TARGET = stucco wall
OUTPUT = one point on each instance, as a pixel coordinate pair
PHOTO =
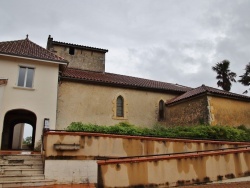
(225, 111)
(93, 145)
(82, 59)
(96, 104)
(71, 171)
(191, 112)
(1, 95)
(41, 99)
(173, 170)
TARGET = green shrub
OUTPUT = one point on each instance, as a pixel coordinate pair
(218, 132)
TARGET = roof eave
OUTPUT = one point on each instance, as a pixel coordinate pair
(122, 85)
(208, 94)
(36, 59)
(186, 99)
(79, 46)
(229, 97)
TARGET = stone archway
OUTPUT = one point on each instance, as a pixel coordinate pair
(11, 119)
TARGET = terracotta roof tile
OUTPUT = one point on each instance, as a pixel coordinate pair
(27, 48)
(121, 80)
(79, 46)
(205, 89)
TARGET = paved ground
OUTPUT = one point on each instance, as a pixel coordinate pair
(245, 184)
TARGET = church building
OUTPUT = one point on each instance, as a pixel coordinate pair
(65, 83)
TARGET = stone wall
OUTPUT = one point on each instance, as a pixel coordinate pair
(82, 59)
(191, 112)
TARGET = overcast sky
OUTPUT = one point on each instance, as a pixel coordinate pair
(175, 41)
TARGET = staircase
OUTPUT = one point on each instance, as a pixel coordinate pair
(20, 170)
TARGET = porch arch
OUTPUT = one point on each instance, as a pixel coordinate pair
(11, 119)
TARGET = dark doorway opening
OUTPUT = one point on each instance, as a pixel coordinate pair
(13, 129)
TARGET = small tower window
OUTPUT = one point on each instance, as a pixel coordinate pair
(161, 111)
(71, 50)
(120, 107)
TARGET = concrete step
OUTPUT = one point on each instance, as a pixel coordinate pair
(20, 166)
(21, 171)
(27, 183)
(21, 157)
(33, 161)
(21, 177)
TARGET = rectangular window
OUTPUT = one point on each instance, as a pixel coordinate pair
(25, 78)
(71, 50)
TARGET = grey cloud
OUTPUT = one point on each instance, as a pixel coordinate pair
(173, 41)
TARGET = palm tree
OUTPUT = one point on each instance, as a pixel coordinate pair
(224, 75)
(245, 78)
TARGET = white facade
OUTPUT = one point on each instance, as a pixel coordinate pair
(41, 98)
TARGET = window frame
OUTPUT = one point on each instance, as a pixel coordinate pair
(23, 80)
(120, 107)
(161, 110)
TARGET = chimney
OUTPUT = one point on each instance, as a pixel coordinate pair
(49, 43)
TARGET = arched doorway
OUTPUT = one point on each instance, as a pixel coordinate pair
(13, 127)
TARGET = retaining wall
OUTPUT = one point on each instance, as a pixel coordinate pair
(176, 170)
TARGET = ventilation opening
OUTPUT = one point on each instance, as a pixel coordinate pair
(71, 50)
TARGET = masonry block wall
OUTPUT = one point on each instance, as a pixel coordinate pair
(192, 112)
(80, 57)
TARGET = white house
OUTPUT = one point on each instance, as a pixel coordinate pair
(28, 90)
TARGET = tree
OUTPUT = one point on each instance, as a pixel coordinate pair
(224, 75)
(245, 78)
(27, 140)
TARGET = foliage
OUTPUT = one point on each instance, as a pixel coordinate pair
(27, 140)
(245, 78)
(224, 75)
(240, 133)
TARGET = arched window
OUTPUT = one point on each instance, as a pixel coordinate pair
(161, 110)
(119, 106)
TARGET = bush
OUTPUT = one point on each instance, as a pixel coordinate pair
(240, 133)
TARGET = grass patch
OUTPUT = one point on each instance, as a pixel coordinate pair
(229, 133)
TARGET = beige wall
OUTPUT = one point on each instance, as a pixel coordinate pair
(79, 102)
(1, 95)
(95, 145)
(173, 171)
(41, 100)
(79, 165)
(82, 59)
(225, 111)
(18, 136)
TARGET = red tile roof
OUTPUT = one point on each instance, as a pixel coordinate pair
(51, 42)
(122, 81)
(208, 90)
(27, 48)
